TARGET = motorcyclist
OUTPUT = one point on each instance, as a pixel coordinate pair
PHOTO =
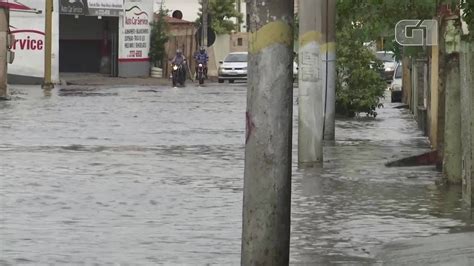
(201, 57)
(180, 60)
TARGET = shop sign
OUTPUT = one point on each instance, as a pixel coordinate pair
(106, 8)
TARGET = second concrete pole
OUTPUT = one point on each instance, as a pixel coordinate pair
(311, 93)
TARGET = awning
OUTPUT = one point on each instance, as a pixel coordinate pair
(13, 5)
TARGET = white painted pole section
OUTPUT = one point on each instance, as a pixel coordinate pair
(311, 96)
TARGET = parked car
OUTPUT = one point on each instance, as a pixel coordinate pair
(396, 87)
(233, 67)
(389, 63)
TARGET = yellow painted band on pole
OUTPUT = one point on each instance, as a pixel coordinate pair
(329, 47)
(277, 32)
(310, 36)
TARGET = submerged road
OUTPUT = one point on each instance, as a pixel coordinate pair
(146, 175)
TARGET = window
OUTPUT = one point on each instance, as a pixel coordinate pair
(399, 72)
(236, 58)
(385, 57)
(240, 41)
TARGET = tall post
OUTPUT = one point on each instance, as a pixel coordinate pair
(3, 52)
(452, 159)
(267, 177)
(452, 164)
(311, 93)
(328, 53)
(205, 14)
(434, 96)
(467, 121)
(238, 6)
(47, 83)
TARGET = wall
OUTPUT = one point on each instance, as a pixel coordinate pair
(237, 45)
(181, 36)
(217, 52)
(28, 28)
(134, 38)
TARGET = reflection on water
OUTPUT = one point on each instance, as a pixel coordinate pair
(154, 175)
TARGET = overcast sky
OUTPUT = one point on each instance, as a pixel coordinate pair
(189, 8)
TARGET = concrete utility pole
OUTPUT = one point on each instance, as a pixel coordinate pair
(47, 83)
(328, 53)
(467, 120)
(3, 52)
(205, 12)
(452, 159)
(238, 6)
(267, 181)
(311, 94)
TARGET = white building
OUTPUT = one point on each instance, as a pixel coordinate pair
(106, 36)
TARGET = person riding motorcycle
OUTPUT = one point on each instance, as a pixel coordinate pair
(180, 60)
(201, 58)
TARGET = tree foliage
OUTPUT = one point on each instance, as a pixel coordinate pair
(468, 6)
(222, 12)
(158, 38)
(359, 85)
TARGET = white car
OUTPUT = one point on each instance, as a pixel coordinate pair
(233, 67)
(396, 87)
(389, 63)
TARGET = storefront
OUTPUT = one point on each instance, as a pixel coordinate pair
(89, 36)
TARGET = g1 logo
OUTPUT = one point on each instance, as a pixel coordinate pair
(414, 32)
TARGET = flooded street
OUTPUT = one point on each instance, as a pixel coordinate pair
(143, 176)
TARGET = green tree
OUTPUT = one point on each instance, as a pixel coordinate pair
(359, 85)
(221, 11)
(158, 38)
(468, 6)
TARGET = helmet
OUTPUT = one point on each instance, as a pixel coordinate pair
(179, 52)
(202, 49)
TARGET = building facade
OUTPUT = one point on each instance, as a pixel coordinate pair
(111, 37)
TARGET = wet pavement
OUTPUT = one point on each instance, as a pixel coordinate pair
(445, 249)
(147, 175)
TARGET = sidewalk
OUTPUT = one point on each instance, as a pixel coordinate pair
(450, 249)
(91, 79)
(88, 79)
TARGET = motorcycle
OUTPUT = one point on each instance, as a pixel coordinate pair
(200, 75)
(178, 74)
